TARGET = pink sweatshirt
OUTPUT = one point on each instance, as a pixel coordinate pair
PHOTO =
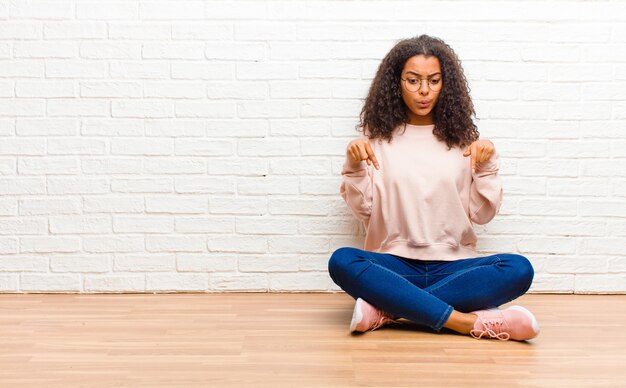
(422, 201)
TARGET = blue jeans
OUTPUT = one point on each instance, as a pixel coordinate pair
(426, 292)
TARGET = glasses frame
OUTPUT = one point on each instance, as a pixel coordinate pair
(406, 84)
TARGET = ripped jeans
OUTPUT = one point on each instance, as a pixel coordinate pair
(426, 292)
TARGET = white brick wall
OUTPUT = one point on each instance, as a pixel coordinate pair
(160, 146)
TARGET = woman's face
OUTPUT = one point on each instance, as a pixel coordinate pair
(421, 85)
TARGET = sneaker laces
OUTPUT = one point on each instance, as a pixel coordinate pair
(493, 328)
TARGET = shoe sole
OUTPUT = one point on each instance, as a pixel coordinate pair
(534, 322)
(357, 315)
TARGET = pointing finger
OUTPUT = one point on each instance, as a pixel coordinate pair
(370, 153)
(473, 152)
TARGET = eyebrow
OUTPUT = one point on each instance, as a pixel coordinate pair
(430, 75)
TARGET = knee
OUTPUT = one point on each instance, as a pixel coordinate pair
(340, 259)
(523, 270)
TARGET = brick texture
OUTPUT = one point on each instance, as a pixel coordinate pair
(195, 146)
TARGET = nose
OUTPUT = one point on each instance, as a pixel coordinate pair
(424, 89)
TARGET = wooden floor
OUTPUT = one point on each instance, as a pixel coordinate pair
(294, 340)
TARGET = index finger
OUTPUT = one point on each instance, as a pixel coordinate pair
(472, 150)
(370, 153)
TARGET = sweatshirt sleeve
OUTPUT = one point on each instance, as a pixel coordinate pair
(356, 189)
(486, 191)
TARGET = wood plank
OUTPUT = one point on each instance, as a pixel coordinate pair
(299, 340)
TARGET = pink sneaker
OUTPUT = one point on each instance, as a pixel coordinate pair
(367, 317)
(514, 323)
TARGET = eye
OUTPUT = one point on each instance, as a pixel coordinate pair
(412, 81)
(435, 81)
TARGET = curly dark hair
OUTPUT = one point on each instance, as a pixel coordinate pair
(384, 110)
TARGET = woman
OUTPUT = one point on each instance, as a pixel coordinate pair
(418, 178)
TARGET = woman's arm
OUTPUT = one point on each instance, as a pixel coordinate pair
(486, 187)
(485, 191)
(356, 188)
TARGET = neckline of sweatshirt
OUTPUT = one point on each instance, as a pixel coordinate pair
(416, 130)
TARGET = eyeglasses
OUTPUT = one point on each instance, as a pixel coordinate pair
(415, 84)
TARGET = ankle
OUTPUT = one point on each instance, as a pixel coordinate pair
(468, 321)
(461, 322)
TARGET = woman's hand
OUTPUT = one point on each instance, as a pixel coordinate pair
(359, 150)
(479, 152)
